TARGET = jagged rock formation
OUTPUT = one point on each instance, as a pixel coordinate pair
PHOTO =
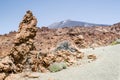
(24, 39)
(23, 45)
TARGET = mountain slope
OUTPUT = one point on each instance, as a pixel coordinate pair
(70, 23)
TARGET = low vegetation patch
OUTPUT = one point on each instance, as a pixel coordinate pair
(57, 66)
(116, 42)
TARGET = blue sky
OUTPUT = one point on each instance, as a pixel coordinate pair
(49, 11)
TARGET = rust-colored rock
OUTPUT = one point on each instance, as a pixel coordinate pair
(92, 57)
(7, 65)
(24, 39)
(23, 45)
(2, 76)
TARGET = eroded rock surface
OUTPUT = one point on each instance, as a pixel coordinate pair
(23, 45)
(2, 76)
(24, 39)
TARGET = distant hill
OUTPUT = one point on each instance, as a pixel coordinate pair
(71, 23)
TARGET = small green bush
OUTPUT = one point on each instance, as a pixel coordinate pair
(57, 66)
(116, 42)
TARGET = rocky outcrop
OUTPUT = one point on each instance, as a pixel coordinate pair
(24, 39)
(23, 45)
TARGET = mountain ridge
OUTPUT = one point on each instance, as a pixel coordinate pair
(72, 23)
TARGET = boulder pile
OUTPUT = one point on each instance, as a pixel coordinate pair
(43, 61)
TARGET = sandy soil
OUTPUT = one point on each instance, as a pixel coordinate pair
(106, 67)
